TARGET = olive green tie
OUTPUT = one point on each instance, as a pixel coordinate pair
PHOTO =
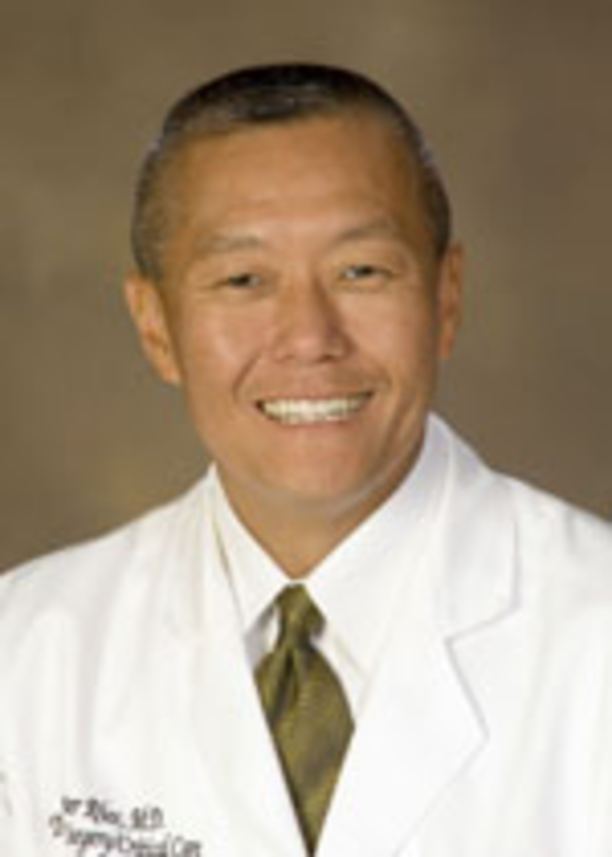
(306, 709)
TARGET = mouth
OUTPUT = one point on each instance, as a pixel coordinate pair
(310, 411)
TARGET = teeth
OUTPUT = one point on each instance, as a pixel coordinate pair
(295, 411)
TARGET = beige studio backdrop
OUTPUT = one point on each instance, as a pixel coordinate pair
(516, 99)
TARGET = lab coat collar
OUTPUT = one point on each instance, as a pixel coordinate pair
(421, 724)
(238, 758)
(475, 555)
(237, 751)
(472, 556)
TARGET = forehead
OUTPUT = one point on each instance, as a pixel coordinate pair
(335, 171)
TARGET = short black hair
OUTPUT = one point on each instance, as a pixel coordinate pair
(273, 94)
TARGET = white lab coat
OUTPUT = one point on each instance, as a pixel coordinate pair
(129, 720)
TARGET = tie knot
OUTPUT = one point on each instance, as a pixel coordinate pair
(300, 617)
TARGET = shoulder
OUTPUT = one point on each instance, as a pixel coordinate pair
(549, 538)
(506, 550)
(81, 578)
(565, 556)
(560, 527)
(533, 509)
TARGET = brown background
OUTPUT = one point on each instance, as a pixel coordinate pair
(516, 99)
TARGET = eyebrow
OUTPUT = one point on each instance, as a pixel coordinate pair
(380, 227)
(221, 243)
(228, 243)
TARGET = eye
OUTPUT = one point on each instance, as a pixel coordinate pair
(366, 273)
(356, 272)
(242, 280)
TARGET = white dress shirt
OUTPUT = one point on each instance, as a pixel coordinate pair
(355, 586)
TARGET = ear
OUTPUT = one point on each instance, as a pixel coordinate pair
(150, 317)
(449, 294)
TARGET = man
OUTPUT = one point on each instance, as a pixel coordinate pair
(352, 638)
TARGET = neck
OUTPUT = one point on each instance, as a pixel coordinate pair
(298, 535)
(296, 544)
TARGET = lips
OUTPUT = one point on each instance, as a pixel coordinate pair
(311, 411)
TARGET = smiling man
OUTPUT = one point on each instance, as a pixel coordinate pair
(352, 637)
(303, 307)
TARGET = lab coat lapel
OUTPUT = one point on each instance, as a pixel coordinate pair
(417, 730)
(238, 756)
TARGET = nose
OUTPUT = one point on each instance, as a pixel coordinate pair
(309, 326)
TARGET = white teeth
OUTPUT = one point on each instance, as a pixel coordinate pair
(294, 411)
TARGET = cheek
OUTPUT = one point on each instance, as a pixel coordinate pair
(401, 337)
(214, 353)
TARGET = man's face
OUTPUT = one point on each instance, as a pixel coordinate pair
(301, 310)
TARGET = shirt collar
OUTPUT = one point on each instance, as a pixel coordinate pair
(254, 577)
(357, 584)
